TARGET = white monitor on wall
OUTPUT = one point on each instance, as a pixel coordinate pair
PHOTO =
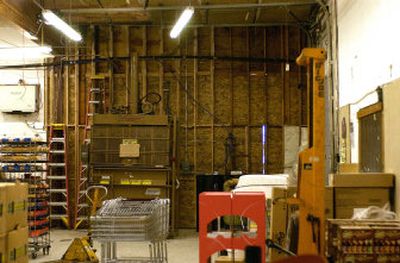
(19, 98)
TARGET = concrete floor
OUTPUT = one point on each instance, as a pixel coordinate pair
(183, 248)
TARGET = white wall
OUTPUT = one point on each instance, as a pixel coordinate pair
(19, 125)
(23, 125)
(391, 122)
(368, 46)
(369, 54)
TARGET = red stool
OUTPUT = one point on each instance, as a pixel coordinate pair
(218, 204)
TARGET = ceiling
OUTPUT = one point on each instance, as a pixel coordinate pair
(165, 12)
(11, 35)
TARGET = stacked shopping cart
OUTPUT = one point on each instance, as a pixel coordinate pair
(120, 220)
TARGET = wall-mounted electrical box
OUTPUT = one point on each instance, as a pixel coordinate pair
(19, 98)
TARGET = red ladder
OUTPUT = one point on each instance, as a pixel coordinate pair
(95, 104)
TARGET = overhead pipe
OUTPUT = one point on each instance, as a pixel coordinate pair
(174, 8)
(98, 59)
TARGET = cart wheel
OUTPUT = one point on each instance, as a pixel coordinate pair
(34, 255)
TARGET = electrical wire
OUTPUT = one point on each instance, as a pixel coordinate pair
(38, 4)
(363, 97)
(195, 102)
(31, 124)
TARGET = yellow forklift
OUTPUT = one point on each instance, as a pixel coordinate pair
(309, 241)
(81, 249)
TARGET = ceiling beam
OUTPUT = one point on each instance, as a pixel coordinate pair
(22, 13)
(172, 8)
(25, 14)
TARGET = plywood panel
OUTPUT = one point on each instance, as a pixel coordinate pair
(136, 40)
(242, 95)
(187, 203)
(344, 134)
(256, 47)
(274, 94)
(240, 148)
(170, 84)
(187, 96)
(120, 91)
(203, 151)
(120, 41)
(204, 47)
(258, 100)
(275, 150)
(256, 150)
(204, 98)
(223, 98)
(222, 44)
(240, 99)
(220, 134)
(293, 98)
(391, 138)
(103, 48)
(370, 142)
(273, 47)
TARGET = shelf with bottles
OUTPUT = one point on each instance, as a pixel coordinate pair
(26, 159)
(19, 158)
(22, 168)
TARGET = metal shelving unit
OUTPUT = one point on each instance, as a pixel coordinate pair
(26, 160)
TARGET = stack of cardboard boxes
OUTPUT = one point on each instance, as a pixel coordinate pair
(353, 191)
(13, 222)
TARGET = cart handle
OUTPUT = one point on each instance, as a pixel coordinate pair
(94, 187)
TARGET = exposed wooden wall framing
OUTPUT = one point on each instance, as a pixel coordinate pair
(209, 98)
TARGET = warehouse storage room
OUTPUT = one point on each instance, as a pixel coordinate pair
(204, 131)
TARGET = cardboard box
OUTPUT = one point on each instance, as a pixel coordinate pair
(361, 180)
(14, 206)
(347, 199)
(329, 209)
(279, 216)
(279, 212)
(3, 247)
(17, 198)
(3, 208)
(348, 168)
(17, 245)
(131, 150)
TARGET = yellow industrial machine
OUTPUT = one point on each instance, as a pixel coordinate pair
(81, 249)
(311, 171)
(309, 239)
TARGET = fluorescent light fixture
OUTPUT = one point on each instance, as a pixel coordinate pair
(182, 21)
(29, 36)
(25, 52)
(58, 23)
